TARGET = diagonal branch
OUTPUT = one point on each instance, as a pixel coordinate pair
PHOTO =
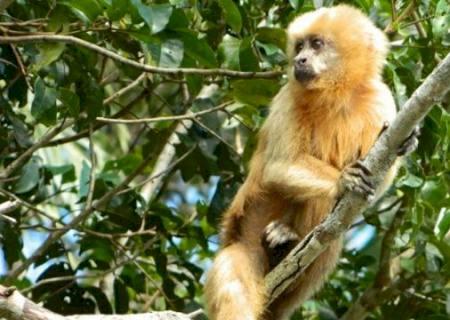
(137, 65)
(378, 161)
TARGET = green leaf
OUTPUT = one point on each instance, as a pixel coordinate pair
(222, 198)
(126, 164)
(255, 92)
(121, 299)
(247, 58)
(276, 36)
(434, 192)
(171, 53)
(441, 22)
(43, 108)
(12, 243)
(410, 180)
(67, 171)
(407, 264)
(178, 20)
(232, 14)
(91, 97)
(198, 49)
(59, 18)
(70, 101)
(118, 9)
(84, 180)
(155, 15)
(48, 53)
(229, 52)
(443, 224)
(102, 300)
(86, 10)
(29, 177)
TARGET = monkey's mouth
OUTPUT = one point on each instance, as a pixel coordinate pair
(304, 74)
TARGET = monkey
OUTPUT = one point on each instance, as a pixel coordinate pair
(321, 124)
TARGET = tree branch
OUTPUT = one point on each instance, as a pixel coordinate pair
(137, 65)
(14, 306)
(187, 116)
(378, 161)
(7, 207)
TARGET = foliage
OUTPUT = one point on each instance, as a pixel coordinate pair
(133, 251)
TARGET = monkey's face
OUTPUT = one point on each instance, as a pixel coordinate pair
(334, 48)
(314, 57)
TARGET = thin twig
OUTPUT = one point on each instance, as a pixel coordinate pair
(217, 136)
(137, 65)
(161, 173)
(91, 187)
(190, 116)
(24, 156)
(397, 19)
(97, 126)
(100, 275)
(24, 203)
(7, 207)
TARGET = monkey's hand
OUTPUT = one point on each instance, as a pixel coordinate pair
(356, 178)
(410, 143)
(278, 239)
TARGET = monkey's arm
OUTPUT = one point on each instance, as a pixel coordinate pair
(308, 177)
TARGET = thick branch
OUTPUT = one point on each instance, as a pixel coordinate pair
(378, 161)
(14, 306)
(137, 65)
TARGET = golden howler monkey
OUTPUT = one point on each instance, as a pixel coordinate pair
(321, 123)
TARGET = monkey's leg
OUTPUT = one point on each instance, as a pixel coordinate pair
(307, 285)
(234, 288)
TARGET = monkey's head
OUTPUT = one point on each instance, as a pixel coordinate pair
(335, 47)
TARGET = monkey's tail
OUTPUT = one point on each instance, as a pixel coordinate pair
(234, 287)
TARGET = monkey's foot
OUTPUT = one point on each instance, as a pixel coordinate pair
(278, 239)
(357, 178)
(410, 143)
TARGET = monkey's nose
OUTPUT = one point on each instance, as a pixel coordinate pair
(301, 61)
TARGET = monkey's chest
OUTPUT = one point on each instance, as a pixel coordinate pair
(337, 144)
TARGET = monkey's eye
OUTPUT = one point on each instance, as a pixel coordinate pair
(317, 43)
(299, 46)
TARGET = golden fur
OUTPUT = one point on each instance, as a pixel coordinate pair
(311, 134)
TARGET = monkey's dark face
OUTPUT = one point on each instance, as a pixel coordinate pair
(313, 57)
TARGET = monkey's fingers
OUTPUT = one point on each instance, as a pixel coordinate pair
(410, 143)
(356, 180)
(355, 175)
(360, 165)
